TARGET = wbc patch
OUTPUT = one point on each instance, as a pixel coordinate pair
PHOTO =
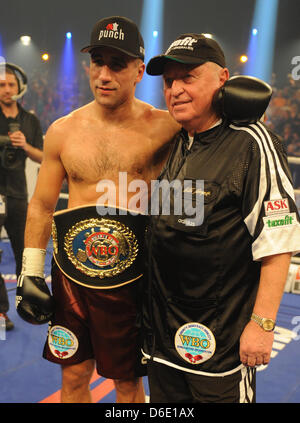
(195, 343)
(276, 206)
(62, 342)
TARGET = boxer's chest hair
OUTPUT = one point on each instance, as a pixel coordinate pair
(95, 158)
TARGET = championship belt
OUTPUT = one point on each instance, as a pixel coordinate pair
(99, 247)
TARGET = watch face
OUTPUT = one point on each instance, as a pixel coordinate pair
(268, 324)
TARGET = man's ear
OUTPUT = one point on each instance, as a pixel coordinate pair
(224, 75)
(141, 69)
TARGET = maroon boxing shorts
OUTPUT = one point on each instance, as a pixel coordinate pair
(95, 324)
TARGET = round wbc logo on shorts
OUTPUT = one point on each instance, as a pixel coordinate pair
(195, 343)
(62, 342)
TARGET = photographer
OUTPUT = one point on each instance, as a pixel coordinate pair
(20, 137)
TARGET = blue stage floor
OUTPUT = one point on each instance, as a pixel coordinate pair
(25, 377)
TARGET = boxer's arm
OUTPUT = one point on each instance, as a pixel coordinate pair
(34, 302)
(44, 199)
(255, 343)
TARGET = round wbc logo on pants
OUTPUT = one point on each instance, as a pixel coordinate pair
(195, 343)
(62, 342)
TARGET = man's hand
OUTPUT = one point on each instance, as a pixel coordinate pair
(255, 345)
(18, 139)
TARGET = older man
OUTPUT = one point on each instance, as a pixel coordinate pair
(216, 282)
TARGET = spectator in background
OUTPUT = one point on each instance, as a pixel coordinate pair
(22, 137)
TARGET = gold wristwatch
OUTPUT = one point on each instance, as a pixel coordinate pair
(267, 324)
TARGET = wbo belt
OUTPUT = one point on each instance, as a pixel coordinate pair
(99, 250)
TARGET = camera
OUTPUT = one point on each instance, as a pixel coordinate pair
(10, 156)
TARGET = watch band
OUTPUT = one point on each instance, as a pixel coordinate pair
(265, 323)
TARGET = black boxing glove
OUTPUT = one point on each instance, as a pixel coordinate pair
(243, 100)
(34, 302)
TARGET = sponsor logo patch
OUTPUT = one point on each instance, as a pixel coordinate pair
(112, 30)
(62, 342)
(276, 206)
(185, 43)
(187, 222)
(195, 343)
(280, 221)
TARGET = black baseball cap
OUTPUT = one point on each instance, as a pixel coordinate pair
(191, 49)
(117, 32)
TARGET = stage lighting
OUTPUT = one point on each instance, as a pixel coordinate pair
(2, 68)
(45, 57)
(244, 58)
(67, 74)
(262, 40)
(25, 40)
(152, 27)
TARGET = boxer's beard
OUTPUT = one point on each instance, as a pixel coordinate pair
(110, 104)
(115, 101)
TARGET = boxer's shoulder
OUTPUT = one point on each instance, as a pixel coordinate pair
(164, 127)
(155, 114)
(61, 125)
(164, 117)
(160, 122)
(59, 132)
(68, 125)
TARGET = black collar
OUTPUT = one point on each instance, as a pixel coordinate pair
(205, 136)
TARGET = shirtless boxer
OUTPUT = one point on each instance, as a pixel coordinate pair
(114, 133)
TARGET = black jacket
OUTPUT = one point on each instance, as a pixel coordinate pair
(204, 275)
(12, 160)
